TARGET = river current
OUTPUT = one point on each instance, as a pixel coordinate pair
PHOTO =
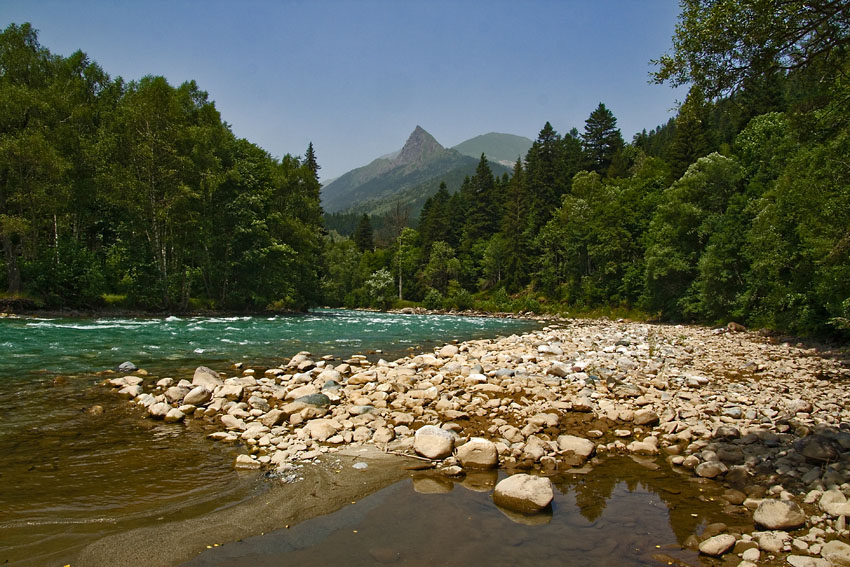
(69, 478)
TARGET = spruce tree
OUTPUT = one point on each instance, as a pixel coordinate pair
(514, 224)
(544, 184)
(690, 141)
(310, 161)
(363, 236)
(601, 140)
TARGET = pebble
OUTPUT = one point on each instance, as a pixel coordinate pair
(717, 545)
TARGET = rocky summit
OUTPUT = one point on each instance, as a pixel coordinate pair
(770, 420)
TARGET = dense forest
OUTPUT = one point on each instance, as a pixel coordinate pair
(137, 194)
(736, 209)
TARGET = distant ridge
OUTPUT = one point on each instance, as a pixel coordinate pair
(407, 177)
(500, 148)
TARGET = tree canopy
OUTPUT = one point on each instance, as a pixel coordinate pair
(720, 45)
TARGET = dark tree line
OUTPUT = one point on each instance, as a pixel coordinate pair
(139, 192)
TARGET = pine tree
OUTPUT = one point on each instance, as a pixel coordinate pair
(544, 184)
(363, 235)
(514, 224)
(434, 219)
(310, 161)
(602, 139)
(481, 219)
(690, 141)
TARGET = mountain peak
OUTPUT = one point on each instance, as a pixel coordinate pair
(420, 146)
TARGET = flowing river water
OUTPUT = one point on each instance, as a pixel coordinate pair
(69, 478)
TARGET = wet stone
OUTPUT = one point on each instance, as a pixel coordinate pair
(524, 493)
(710, 469)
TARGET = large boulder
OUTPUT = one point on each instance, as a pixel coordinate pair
(711, 469)
(478, 453)
(524, 493)
(174, 415)
(383, 435)
(206, 377)
(273, 417)
(448, 351)
(579, 448)
(779, 515)
(232, 392)
(819, 449)
(131, 391)
(433, 443)
(197, 396)
(233, 422)
(246, 462)
(646, 417)
(301, 391)
(834, 503)
(727, 433)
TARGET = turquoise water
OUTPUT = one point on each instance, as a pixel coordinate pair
(70, 346)
(68, 477)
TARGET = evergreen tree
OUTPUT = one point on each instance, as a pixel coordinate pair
(480, 193)
(544, 183)
(363, 236)
(601, 140)
(434, 219)
(310, 161)
(514, 225)
(690, 141)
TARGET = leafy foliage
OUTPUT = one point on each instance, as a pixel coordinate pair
(140, 189)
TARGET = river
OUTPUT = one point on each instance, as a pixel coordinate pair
(70, 478)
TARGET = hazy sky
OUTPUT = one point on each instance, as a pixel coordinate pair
(356, 77)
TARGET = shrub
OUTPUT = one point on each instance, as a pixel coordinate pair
(433, 299)
(460, 300)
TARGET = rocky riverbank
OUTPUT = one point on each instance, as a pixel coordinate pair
(769, 420)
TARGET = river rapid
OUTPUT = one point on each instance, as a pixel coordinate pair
(114, 488)
(69, 477)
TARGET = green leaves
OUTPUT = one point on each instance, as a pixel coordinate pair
(141, 188)
(720, 44)
(601, 139)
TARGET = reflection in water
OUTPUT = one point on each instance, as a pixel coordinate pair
(621, 514)
(69, 477)
(75, 477)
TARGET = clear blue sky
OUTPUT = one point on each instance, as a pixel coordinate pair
(356, 77)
